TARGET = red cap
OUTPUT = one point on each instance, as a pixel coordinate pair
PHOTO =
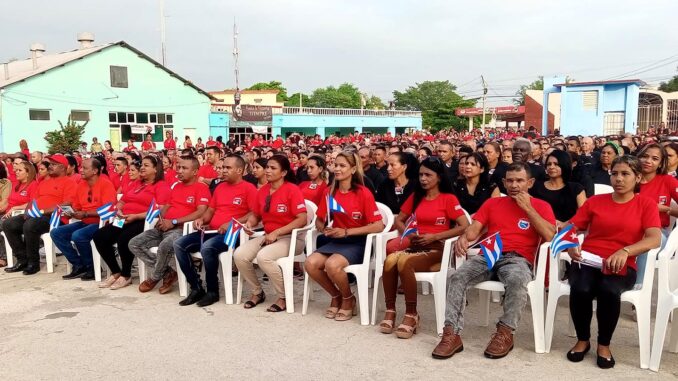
(58, 158)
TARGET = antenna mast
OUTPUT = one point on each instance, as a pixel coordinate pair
(163, 52)
(235, 55)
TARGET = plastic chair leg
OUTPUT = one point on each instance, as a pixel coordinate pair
(363, 297)
(661, 324)
(183, 284)
(141, 266)
(8, 250)
(425, 288)
(96, 260)
(439, 300)
(375, 293)
(307, 292)
(484, 301)
(288, 282)
(227, 275)
(238, 290)
(551, 308)
(643, 313)
(537, 303)
(673, 341)
(50, 253)
(496, 296)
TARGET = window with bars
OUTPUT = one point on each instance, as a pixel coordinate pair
(119, 76)
(34, 114)
(80, 115)
(613, 123)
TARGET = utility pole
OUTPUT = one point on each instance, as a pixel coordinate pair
(482, 125)
(163, 52)
(235, 58)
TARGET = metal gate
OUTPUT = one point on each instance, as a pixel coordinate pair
(672, 114)
(649, 115)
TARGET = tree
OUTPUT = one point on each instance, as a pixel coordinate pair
(65, 139)
(273, 85)
(373, 102)
(437, 101)
(670, 86)
(344, 96)
(293, 100)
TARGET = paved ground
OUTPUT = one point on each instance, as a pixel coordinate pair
(54, 329)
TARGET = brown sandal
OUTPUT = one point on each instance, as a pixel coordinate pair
(331, 312)
(386, 325)
(405, 331)
(344, 315)
(260, 298)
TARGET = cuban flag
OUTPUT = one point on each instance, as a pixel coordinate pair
(153, 212)
(106, 212)
(491, 248)
(231, 236)
(410, 227)
(565, 239)
(33, 211)
(333, 206)
(55, 219)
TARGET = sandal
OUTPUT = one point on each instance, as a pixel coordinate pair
(331, 312)
(260, 297)
(405, 331)
(344, 315)
(276, 308)
(386, 325)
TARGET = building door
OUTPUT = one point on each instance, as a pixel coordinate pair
(114, 137)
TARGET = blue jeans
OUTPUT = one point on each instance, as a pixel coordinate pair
(81, 235)
(212, 246)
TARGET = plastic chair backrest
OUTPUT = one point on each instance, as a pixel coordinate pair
(386, 216)
(311, 210)
(602, 189)
(672, 223)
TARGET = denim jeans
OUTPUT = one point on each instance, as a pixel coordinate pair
(511, 269)
(81, 234)
(213, 245)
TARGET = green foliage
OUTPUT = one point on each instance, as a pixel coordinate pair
(273, 85)
(437, 100)
(65, 139)
(373, 102)
(520, 94)
(293, 100)
(344, 96)
(670, 86)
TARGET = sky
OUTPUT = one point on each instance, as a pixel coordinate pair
(379, 46)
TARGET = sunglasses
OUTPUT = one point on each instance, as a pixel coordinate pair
(267, 204)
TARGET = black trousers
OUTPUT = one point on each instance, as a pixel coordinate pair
(106, 237)
(23, 235)
(588, 283)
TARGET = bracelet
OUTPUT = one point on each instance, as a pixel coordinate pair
(626, 249)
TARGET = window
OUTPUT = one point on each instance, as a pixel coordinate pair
(613, 123)
(170, 118)
(142, 117)
(80, 116)
(119, 76)
(590, 100)
(34, 114)
(161, 118)
(153, 118)
(130, 117)
(112, 117)
(122, 117)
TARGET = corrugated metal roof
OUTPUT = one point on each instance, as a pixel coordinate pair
(612, 82)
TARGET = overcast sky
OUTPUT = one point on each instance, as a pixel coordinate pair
(377, 45)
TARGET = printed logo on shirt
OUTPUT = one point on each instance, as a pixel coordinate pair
(457, 207)
(356, 215)
(23, 193)
(237, 201)
(523, 224)
(301, 206)
(190, 200)
(204, 199)
(662, 200)
(440, 221)
(313, 186)
(281, 208)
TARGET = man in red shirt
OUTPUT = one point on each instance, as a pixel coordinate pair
(188, 201)
(523, 222)
(120, 176)
(210, 142)
(23, 232)
(233, 198)
(148, 145)
(92, 192)
(207, 173)
(278, 143)
(169, 141)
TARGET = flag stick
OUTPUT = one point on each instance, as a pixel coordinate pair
(478, 243)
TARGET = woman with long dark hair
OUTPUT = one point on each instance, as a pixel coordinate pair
(435, 210)
(564, 196)
(475, 187)
(345, 227)
(671, 149)
(403, 169)
(314, 188)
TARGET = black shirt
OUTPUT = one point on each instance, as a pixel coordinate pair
(472, 202)
(497, 175)
(389, 195)
(375, 176)
(302, 175)
(563, 201)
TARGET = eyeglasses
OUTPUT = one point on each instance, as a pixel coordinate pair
(267, 204)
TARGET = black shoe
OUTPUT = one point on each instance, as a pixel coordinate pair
(16, 268)
(31, 269)
(578, 356)
(88, 275)
(209, 299)
(77, 272)
(193, 297)
(605, 363)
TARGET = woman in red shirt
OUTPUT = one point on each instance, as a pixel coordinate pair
(280, 207)
(438, 217)
(170, 175)
(19, 196)
(314, 189)
(617, 241)
(199, 145)
(187, 142)
(343, 240)
(132, 208)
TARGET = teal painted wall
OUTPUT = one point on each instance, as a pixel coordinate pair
(85, 85)
(328, 124)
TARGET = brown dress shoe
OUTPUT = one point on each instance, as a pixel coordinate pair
(501, 343)
(449, 344)
(148, 285)
(168, 281)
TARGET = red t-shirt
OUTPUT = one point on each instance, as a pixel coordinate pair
(277, 143)
(23, 195)
(170, 175)
(147, 146)
(207, 171)
(120, 180)
(129, 149)
(662, 189)
(53, 191)
(503, 215)
(359, 206)
(285, 204)
(89, 199)
(211, 143)
(138, 196)
(232, 201)
(185, 199)
(612, 226)
(170, 144)
(312, 191)
(434, 216)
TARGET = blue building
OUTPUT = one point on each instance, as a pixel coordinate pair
(594, 108)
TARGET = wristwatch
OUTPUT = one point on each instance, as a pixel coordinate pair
(175, 222)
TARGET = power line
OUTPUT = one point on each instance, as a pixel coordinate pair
(646, 68)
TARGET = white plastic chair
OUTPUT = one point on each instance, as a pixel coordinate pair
(287, 263)
(667, 301)
(535, 290)
(641, 299)
(361, 271)
(602, 189)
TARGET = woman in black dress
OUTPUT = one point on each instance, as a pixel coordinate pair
(403, 170)
(564, 196)
(475, 188)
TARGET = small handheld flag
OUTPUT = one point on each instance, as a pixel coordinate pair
(333, 206)
(231, 236)
(410, 227)
(34, 211)
(491, 248)
(565, 239)
(106, 212)
(55, 219)
(153, 212)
